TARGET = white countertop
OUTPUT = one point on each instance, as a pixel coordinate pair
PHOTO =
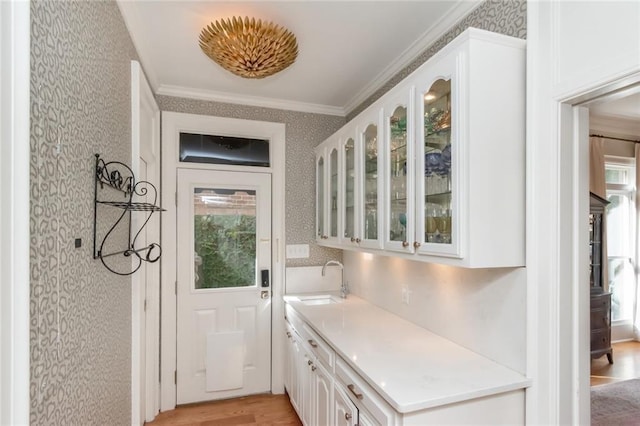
(409, 366)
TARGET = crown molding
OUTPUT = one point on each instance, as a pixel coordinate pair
(446, 23)
(231, 98)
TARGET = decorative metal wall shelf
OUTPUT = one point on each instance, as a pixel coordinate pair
(116, 178)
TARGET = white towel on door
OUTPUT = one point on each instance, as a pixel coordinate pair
(225, 360)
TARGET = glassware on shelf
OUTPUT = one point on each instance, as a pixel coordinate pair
(370, 139)
(349, 198)
(333, 217)
(397, 166)
(438, 163)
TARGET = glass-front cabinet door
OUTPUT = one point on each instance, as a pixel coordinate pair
(399, 206)
(437, 195)
(371, 184)
(348, 160)
(334, 201)
(321, 216)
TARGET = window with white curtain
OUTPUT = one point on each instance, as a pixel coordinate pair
(620, 180)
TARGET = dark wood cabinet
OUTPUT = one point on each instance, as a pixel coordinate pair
(600, 300)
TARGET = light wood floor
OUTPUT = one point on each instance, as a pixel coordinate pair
(250, 410)
(626, 364)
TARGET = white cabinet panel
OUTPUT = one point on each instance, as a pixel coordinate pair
(345, 412)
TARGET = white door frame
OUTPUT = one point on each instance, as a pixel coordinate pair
(557, 211)
(14, 216)
(172, 124)
(145, 300)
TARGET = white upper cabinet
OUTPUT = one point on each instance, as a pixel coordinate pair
(440, 160)
(348, 190)
(398, 147)
(321, 193)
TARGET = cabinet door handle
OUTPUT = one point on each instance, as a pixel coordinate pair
(347, 416)
(288, 334)
(309, 362)
(313, 368)
(352, 388)
(312, 343)
(353, 239)
(405, 244)
(358, 240)
(416, 244)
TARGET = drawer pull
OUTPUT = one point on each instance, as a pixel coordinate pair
(347, 416)
(352, 388)
(312, 343)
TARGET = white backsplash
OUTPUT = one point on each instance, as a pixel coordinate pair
(309, 279)
(481, 309)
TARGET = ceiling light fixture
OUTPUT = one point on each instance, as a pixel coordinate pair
(249, 48)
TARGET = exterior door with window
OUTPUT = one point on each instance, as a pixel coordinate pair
(223, 288)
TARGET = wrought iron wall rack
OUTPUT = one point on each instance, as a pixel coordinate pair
(114, 175)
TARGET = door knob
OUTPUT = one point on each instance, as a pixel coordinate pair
(416, 244)
(347, 416)
(405, 244)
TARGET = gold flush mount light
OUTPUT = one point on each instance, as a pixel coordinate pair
(249, 48)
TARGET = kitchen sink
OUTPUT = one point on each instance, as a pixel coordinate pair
(318, 299)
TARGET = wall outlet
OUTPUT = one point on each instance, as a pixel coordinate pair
(406, 295)
(297, 251)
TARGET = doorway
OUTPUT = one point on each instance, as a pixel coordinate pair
(223, 295)
(575, 130)
(187, 178)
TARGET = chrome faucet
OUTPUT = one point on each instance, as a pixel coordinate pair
(344, 289)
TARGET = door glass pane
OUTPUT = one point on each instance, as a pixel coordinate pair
(370, 138)
(398, 175)
(437, 163)
(350, 186)
(333, 158)
(225, 237)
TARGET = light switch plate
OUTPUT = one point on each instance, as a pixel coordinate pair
(297, 251)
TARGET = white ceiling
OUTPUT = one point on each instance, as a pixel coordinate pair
(347, 49)
(627, 107)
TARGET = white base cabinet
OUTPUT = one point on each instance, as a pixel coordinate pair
(325, 390)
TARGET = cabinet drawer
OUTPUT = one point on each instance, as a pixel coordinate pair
(318, 346)
(600, 339)
(599, 319)
(363, 395)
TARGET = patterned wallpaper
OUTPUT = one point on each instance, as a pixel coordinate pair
(303, 132)
(80, 313)
(507, 17)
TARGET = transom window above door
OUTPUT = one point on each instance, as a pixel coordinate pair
(228, 150)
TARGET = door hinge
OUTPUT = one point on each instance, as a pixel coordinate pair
(175, 377)
(145, 305)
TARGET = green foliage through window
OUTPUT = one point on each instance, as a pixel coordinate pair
(225, 248)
